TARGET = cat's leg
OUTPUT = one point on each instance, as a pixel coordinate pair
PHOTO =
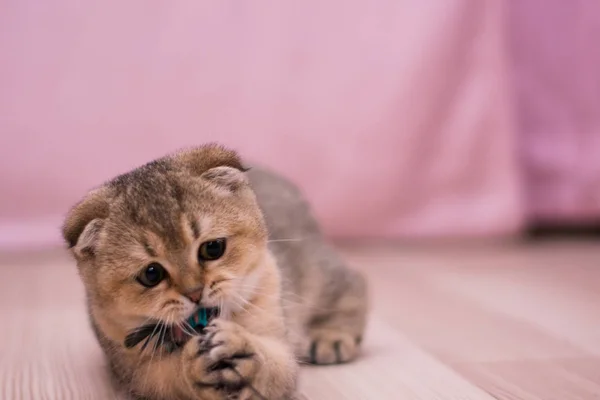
(243, 365)
(227, 362)
(337, 315)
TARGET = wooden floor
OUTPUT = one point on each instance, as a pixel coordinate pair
(449, 322)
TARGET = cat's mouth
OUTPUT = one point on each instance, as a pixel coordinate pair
(194, 324)
(171, 336)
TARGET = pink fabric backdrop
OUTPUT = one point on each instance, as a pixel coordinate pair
(557, 74)
(394, 116)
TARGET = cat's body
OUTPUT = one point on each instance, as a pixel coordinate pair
(321, 297)
(187, 230)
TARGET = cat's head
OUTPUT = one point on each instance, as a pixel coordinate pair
(158, 242)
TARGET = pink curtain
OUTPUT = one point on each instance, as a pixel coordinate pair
(557, 74)
(397, 118)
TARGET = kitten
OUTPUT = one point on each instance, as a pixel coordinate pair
(195, 229)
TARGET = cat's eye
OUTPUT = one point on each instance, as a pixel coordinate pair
(152, 275)
(212, 250)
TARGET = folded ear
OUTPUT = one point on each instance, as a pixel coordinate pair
(228, 178)
(84, 222)
(200, 159)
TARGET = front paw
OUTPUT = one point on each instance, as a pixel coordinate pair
(223, 359)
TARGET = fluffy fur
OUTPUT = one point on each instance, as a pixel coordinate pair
(283, 293)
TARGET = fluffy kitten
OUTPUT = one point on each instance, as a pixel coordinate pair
(195, 229)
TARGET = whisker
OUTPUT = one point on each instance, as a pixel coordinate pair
(285, 240)
(164, 335)
(187, 328)
(160, 324)
(149, 338)
(285, 298)
(240, 306)
(137, 335)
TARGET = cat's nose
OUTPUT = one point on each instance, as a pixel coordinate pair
(195, 296)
